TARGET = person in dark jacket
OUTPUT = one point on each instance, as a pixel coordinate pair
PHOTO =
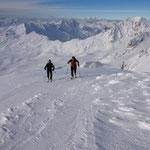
(50, 68)
(74, 62)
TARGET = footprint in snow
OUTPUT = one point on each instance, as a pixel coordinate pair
(13, 116)
(16, 113)
(37, 96)
(31, 101)
(56, 103)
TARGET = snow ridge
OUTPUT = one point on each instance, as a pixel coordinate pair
(108, 41)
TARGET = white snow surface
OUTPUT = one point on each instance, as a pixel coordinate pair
(104, 108)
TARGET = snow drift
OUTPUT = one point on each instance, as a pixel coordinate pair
(92, 64)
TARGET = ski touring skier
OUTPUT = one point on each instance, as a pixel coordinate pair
(50, 68)
(74, 62)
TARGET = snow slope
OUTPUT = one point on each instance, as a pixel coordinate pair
(105, 108)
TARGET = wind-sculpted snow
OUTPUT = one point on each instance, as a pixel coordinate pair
(104, 108)
(92, 64)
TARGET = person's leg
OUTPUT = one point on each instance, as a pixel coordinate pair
(75, 71)
(72, 72)
(48, 74)
(51, 72)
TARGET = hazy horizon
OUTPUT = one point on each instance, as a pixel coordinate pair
(103, 9)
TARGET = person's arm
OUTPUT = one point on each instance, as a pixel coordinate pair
(53, 67)
(78, 63)
(69, 61)
(45, 67)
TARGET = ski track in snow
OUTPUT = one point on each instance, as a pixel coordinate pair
(14, 120)
(104, 114)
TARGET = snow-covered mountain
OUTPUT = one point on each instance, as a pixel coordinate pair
(121, 43)
(60, 29)
(106, 107)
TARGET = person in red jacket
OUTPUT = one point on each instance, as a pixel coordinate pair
(74, 62)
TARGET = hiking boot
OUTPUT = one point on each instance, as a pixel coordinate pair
(75, 75)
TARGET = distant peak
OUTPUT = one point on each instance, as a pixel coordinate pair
(138, 19)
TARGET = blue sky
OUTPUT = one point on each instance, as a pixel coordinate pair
(109, 9)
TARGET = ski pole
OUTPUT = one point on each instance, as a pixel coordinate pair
(79, 72)
(44, 76)
(67, 70)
